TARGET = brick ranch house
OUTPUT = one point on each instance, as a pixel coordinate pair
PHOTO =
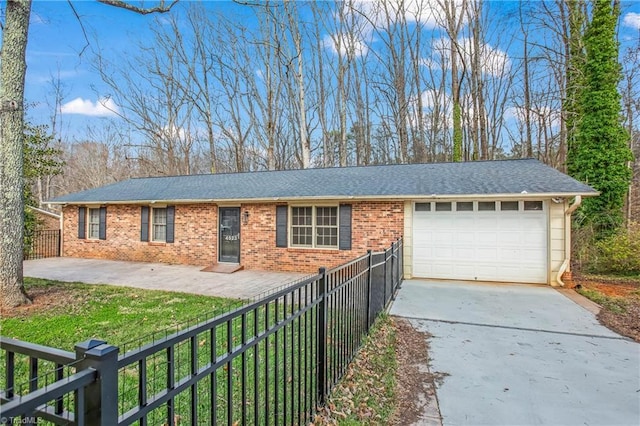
(487, 221)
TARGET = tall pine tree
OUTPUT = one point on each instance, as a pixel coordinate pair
(600, 151)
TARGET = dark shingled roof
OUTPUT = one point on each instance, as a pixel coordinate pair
(388, 181)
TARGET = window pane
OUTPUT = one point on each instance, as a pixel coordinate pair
(485, 206)
(326, 226)
(423, 207)
(326, 237)
(159, 232)
(160, 216)
(159, 228)
(443, 207)
(464, 206)
(94, 223)
(509, 206)
(327, 216)
(302, 236)
(302, 226)
(301, 216)
(533, 205)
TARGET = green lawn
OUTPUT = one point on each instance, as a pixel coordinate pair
(117, 315)
(276, 370)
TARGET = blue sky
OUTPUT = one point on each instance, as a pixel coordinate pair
(58, 47)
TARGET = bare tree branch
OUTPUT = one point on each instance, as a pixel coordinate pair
(161, 8)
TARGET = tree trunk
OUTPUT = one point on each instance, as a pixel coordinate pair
(12, 75)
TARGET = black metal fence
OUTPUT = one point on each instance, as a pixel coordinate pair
(272, 361)
(42, 243)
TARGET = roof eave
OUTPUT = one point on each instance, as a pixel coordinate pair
(540, 195)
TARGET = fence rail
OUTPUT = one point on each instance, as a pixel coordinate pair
(271, 361)
(42, 243)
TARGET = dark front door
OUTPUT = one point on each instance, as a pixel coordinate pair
(229, 234)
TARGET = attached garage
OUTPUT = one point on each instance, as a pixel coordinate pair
(481, 240)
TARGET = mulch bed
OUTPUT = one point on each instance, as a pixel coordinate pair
(626, 323)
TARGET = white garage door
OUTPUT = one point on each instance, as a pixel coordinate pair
(481, 240)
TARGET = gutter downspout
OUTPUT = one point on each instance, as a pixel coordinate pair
(567, 239)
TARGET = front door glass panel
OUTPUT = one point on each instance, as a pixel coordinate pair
(229, 234)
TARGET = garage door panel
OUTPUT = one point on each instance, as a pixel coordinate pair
(461, 271)
(486, 238)
(441, 237)
(443, 253)
(464, 253)
(487, 254)
(510, 239)
(481, 245)
(464, 238)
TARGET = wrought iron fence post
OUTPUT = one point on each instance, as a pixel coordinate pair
(101, 397)
(393, 270)
(400, 264)
(369, 286)
(59, 252)
(384, 279)
(322, 337)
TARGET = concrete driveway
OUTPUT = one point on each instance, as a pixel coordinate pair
(160, 276)
(521, 355)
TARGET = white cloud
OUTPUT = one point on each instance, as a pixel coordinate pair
(436, 110)
(493, 61)
(539, 114)
(383, 13)
(632, 20)
(346, 44)
(103, 107)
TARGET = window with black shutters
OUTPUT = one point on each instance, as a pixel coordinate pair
(314, 226)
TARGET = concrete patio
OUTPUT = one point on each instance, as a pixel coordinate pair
(159, 276)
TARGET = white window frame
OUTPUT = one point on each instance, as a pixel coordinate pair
(152, 225)
(315, 226)
(91, 225)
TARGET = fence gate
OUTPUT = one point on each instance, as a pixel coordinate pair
(42, 243)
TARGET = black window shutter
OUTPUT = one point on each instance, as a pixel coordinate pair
(281, 226)
(144, 223)
(171, 215)
(102, 232)
(345, 227)
(82, 226)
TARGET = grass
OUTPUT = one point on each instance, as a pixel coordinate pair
(117, 315)
(617, 305)
(68, 313)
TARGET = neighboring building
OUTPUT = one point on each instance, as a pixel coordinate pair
(487, 221)
(46, 219)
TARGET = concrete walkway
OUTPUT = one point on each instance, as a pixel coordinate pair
(159, 276)
(521, 355)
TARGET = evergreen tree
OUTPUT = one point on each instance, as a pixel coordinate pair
(600, 152)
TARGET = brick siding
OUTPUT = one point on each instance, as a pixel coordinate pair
(46, 221)
(195, 232)
(375, 225)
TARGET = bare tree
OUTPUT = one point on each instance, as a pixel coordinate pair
(12, 77)
(454, 15)
(13, 68)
